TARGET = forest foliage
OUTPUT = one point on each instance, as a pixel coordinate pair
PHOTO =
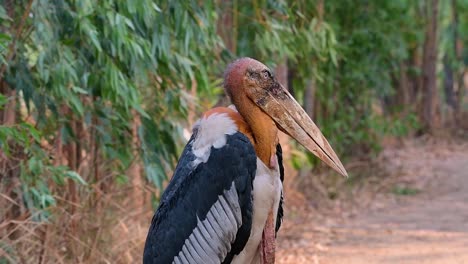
(95, 95)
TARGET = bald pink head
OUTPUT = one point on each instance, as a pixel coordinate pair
(238, 71)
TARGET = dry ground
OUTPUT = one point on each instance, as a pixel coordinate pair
(411, 206)
(421, 216)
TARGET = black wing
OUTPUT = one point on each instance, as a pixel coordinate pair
(279, 216)
(198, 220)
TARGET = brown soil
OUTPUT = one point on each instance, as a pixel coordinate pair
(421, 216)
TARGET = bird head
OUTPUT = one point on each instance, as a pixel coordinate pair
(248, 81)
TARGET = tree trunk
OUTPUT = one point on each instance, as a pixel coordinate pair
(10, 167)
(309, 98)
(192, 104)
(429, 93)
(403, 85)
(449, 89)
(134, 171)
(415, 80)
(8, 114)
(458, 74)
(95, 161)
(281, 73)
(70, 152)
(227, 28)
(291, 74)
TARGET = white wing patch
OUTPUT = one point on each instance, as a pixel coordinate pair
(211, 132)
(211, 239)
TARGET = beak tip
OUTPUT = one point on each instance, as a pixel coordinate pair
(341, 170)
(345, 174)
(336, 164)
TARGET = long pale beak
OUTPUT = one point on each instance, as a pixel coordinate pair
(279, 104)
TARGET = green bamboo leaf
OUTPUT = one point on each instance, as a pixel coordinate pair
(4, 38)
(3, 14)
(75, 177)
(3, 100)
(79, 90)
(76, 104)
(156, 7)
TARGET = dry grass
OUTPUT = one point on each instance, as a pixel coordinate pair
(111, 230)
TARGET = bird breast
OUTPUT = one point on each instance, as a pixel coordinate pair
(267, 190)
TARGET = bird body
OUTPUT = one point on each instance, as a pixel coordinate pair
(224, 202)
(220, 130)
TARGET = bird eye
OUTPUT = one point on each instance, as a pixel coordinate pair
(266, 74)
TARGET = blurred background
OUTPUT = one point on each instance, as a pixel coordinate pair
(96, 97)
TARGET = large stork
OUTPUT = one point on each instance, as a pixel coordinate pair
(224, 202)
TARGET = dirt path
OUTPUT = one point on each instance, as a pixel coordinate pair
(430, 226)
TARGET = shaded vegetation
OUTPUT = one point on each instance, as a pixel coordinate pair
(95, 95)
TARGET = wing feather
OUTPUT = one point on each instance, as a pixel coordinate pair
(279, 215)
(205, 214)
